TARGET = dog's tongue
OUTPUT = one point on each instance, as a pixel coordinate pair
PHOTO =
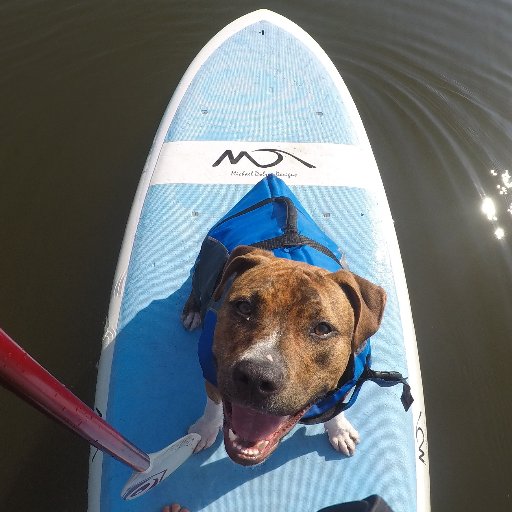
(253, 425)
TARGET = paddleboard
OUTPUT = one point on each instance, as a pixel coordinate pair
(261, 97)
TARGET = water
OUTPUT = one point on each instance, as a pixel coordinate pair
(83, 86)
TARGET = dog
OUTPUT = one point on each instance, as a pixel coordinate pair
(285, 334)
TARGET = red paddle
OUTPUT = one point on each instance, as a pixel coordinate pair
(23, 375)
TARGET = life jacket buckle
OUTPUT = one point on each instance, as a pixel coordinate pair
(387, 379)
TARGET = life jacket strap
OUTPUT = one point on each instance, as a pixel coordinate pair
(291, 236)
(381, 378)
(384, 380)
(296, 240)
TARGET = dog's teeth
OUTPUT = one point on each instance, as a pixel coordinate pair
(249, 452)
(262, 445)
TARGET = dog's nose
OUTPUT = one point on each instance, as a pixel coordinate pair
(256, 378)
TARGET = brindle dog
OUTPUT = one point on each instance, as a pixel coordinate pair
(283, 338)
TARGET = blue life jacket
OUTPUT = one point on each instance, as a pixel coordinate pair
(270, 217)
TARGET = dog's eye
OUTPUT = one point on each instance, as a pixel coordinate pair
(323, 329)
(243, 307)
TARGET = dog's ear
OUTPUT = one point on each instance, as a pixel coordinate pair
(368, 301)
(240, 260)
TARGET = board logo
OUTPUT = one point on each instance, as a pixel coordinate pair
(233, 160)
(421, 440)
(142, 487)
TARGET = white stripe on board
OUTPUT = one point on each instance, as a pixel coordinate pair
(249, 162)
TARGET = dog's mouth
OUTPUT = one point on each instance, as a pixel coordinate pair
(250, 436)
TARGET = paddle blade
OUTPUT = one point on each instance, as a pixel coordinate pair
(162, 464)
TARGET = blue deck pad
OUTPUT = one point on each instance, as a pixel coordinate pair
(254, 88)
(156, 377)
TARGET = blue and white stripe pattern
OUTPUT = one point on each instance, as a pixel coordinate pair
(255, 88)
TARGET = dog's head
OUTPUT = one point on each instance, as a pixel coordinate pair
(283, 339)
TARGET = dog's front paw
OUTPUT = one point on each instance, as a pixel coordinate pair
(342, 435)
(191, 315)
(191, 320)
(208, 431)
(208, 425)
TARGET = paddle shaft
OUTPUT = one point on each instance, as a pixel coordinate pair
(23, 375)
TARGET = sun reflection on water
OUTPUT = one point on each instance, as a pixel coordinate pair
(489, 204)
(499, 233)
(489, 208)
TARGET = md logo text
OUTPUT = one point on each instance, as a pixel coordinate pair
(263, 163)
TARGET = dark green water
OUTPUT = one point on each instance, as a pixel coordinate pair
(82, 88)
